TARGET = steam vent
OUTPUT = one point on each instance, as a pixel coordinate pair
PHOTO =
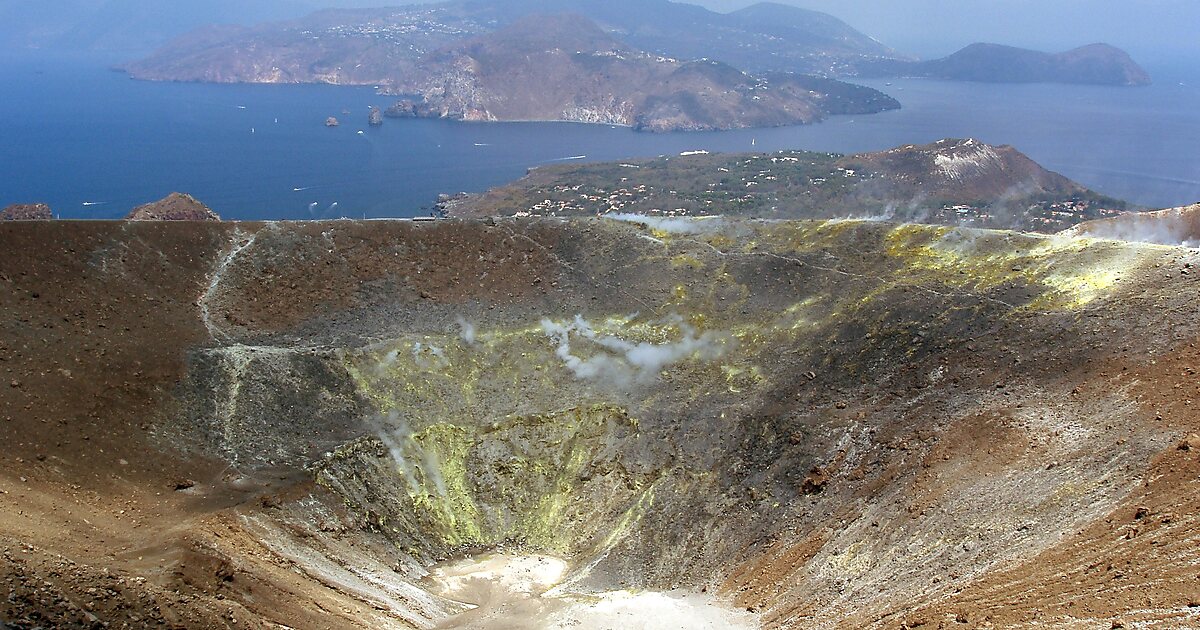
(595, 424)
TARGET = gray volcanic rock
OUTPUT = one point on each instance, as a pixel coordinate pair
(174, 207)
(26, 212)
(1100, 64)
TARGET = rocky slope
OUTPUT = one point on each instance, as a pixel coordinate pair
(830, 424)
(1098, 64)
(951, 182)
(174, 207)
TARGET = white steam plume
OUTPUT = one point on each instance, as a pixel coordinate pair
(623, 363)
(466, 331)
(673, 225)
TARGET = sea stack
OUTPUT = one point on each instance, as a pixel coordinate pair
(375, 119)
(26, 212)
(331, 122)
(175, 207)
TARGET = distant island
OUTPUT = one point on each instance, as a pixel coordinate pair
(950, 182)
(546, 67)
(1098, 64)
(371, 46)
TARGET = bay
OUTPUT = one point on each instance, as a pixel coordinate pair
(92, 143)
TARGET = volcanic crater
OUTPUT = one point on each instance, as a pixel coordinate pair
(595, 423)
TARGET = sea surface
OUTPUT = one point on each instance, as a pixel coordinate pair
(93, 143)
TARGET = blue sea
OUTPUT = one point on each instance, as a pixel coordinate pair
(93, 143)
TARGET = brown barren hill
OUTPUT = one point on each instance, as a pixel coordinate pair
(174, 207)
(962, 170)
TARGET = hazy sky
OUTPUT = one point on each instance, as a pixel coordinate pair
(1151, 29)
(938, 27)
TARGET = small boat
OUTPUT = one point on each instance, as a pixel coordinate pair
(241, 107)
(94, 203)
(361, 132)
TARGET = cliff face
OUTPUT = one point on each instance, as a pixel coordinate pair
(1099, 64)
(174, 207)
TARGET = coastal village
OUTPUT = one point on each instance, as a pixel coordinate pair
(403, 28)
